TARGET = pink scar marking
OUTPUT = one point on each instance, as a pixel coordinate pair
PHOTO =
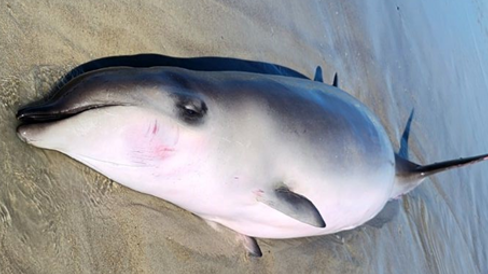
(155, 127)
(162, 151)
(149, 146)
(258, 192)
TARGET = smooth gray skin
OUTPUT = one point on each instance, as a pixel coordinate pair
(269, 156)
(339, 131)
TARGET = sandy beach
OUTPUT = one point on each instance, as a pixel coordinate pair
(58, 216)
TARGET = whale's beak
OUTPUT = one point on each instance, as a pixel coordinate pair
(96, 89)
(53, 112)
(91, 91)
(116, 122)
(36, 118)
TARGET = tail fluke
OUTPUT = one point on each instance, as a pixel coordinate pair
(409, 175)
(428, 170)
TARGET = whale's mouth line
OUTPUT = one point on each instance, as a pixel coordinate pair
(48, 113)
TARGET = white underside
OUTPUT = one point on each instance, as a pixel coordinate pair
(214, 177)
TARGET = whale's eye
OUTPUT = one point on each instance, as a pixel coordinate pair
(191, 110)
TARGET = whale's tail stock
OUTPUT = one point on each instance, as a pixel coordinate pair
(409, 174)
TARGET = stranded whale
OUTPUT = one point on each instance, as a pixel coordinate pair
(267, 156)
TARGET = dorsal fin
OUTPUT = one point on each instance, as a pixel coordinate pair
(292, 204)
(409, 174)
(403, 151)
(318, 75)
(335, 82)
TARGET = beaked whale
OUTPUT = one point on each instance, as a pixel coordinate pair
(264, 155)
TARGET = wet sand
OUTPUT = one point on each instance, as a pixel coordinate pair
(58, 216)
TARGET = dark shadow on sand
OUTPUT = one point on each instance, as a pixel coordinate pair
(391, 209)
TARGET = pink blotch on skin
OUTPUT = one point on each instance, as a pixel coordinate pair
(155, 127)
(258, 192)
(162, 151)
(146, 144)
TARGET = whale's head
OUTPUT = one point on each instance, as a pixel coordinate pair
(120, 119)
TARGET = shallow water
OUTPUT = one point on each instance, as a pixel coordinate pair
(57, 216)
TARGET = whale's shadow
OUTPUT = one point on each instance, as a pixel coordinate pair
(392, 207)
